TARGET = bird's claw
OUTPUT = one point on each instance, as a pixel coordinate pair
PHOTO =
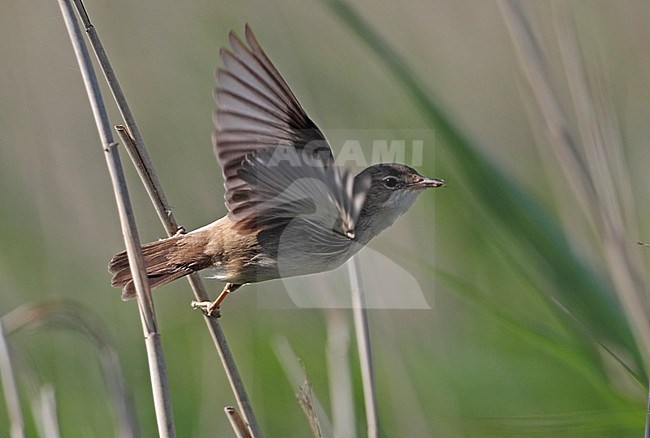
(207, 308)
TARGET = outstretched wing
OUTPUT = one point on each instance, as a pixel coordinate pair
(276, 163)
(257, 110)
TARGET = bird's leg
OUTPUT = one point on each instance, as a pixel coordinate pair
(209, 307)
(222, 296)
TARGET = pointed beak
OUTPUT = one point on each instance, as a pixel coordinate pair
(426, 183)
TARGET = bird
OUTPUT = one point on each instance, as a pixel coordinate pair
(291, 210)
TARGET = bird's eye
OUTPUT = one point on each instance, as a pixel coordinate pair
(390, 182)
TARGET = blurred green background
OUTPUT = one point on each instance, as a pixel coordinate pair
(527, 334)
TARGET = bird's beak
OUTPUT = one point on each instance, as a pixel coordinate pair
(426, 183)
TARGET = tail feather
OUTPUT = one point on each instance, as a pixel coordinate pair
(165, 262)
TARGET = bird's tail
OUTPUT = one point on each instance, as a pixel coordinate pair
(166, 260)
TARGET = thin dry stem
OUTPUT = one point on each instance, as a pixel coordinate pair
(16, 424)
(45, 407)
(292, 369)
(363, 343)
(646, 432)
(339, 374)
(138, 152)
(238, 425)
(157, 366)
(305, 398)
(201, 294)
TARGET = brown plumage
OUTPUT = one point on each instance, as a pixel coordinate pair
(166, 260)
(230, 253)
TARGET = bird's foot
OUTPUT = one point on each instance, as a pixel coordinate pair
(211, 308)
(181, 230)
(208, 307)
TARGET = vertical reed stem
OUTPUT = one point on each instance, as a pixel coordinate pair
(142, 161)
(157, 366)
(8, 379)
(363, 343)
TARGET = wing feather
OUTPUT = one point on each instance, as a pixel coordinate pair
(259, 120)
(282, 186)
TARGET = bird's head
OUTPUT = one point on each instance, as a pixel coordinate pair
(392, 189)
(394, 184)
